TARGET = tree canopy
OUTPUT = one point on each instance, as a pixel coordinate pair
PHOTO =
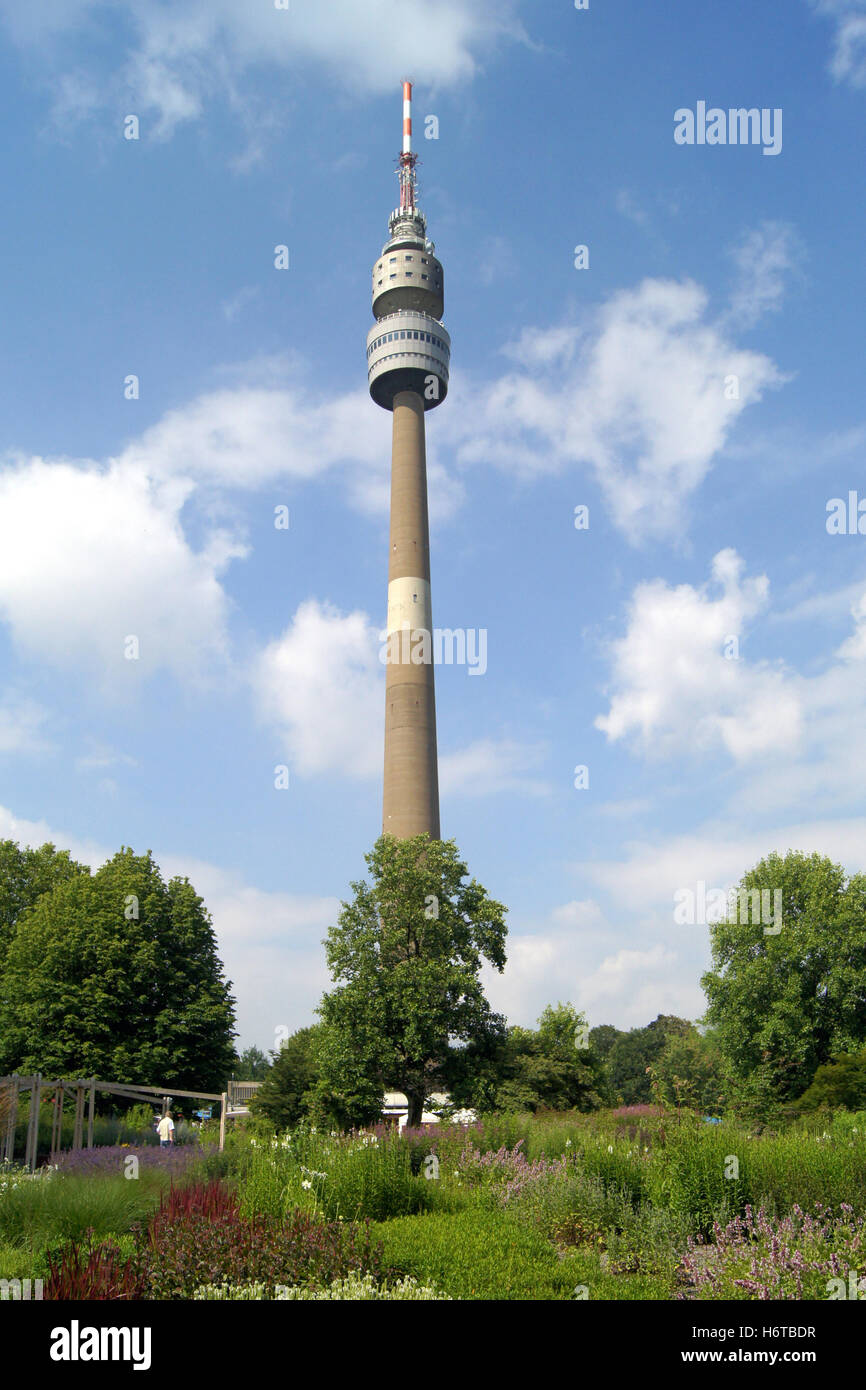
(117, 975)
(25, 874)
(552, 1067)
(287, 1093)
(783, 1002)
(405, 956)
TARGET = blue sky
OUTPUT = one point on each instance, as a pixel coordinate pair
(607, 387)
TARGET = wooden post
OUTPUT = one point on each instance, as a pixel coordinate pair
(90, 1109)
(56, 1123)
(11, 1120)
(225, 1100)
(33, 1123)
(79, 1118)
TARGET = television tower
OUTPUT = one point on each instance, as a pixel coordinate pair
(408, 353)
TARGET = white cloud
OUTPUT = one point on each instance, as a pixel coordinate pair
(183, 55)
(490, 766)
(322, 685)
(641, 885)
(270, 944)
(238, 302)
(848, 61)
(764, 258)
(101, 757)
(21, 725)
(629, 207)
(797, 739)
(90, 557)
(675, 688)
(252, 435)
(569, 958)
(39, 832)
(639, 396)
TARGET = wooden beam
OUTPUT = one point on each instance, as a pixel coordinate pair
(91, 1106)
(225, 1100)
(11, 1085)
(33, 1123)
(77, 1133)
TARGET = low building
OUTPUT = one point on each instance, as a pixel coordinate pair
(395, 1110)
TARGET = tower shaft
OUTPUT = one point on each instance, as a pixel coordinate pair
(411, 784)
(408, 359)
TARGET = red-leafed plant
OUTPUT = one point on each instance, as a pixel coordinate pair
(82, 1270)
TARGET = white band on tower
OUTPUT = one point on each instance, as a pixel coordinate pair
(409, 605)
(407, 117)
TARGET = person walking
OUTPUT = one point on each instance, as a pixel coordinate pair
(165, 1130)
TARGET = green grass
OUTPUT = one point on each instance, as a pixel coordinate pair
(41, 1212)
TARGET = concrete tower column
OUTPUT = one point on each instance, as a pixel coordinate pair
(411, 790)
(408, 359)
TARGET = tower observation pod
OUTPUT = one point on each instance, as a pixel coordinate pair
(408, 355)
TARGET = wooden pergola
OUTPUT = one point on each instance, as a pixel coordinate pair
(84, 1090)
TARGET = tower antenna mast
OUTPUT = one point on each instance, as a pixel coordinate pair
(408, 159)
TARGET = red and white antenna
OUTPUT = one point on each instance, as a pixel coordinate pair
(408, 160)
(407, 117)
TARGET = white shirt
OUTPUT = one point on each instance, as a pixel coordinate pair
(165, 1128)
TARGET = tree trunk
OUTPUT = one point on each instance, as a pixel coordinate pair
(416, 1108)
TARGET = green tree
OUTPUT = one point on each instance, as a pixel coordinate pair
(633, 1052)
(602, 1039)
(287, 1093)
(25, 874)
(785, 1001)
(840, 1084)
(691, 1069)
(405, 957)
(553, 1066)
(117, 975)
(251, 1065)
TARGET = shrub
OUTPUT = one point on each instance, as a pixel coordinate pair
(199, 1236)
(88, 1271)
(112, 1160)
(763, 1257)
(477, 1254)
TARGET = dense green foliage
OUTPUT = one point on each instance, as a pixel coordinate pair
(838, 1084)
(783, 1002)
(117, 975)
(287, 1093)
(553, 1066)
(406, 956)
(25, 874)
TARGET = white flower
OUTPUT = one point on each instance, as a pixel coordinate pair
(568, 1143)
(306, 1184)
(610, 1148)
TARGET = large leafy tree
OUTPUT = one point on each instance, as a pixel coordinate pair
(783, 1002)
(691, 1071)
(553, 1066)
(405, 956)
(286, 1094)
(630, 1055)
(117, 975)
(25, 874)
